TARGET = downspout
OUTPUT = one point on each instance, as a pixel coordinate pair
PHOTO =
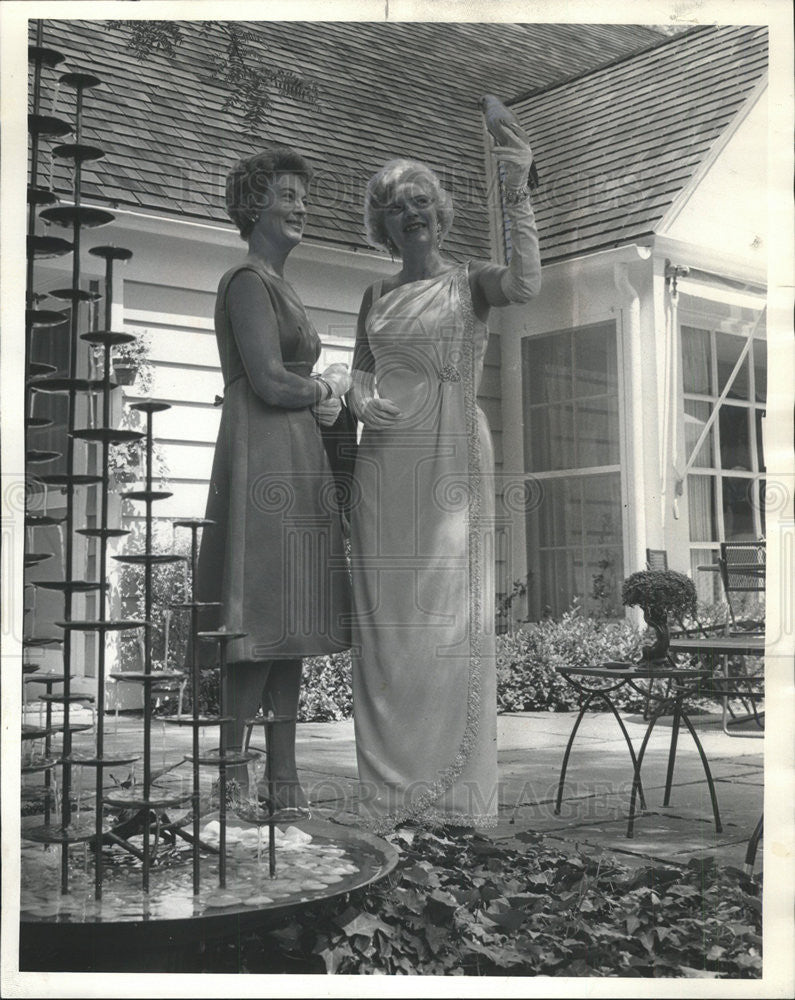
(632, 344)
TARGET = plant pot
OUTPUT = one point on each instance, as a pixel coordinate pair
(124, 372)
(659, 622)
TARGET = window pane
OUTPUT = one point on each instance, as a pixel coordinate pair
(760, 370)
(547, 368)
(575, 540)
(701, 507)
(550, 438)
(595, 361)
(735, 444)
(695, 360)
(696, 415)
(738, 518)
(601, 509)
(604, 573)
(728, 350)
(597, 432)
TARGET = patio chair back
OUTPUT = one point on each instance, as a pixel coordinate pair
(656, 559)
(742, 569)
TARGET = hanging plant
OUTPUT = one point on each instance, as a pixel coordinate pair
(659, 593)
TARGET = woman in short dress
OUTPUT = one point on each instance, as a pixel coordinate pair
(275, 557)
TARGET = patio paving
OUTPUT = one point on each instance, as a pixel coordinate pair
(595, 805)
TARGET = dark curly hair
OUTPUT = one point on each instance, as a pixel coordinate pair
(248, 182)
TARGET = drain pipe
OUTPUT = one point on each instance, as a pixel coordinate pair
(632, 344)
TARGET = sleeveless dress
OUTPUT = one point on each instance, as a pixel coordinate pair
(275, 557)
(424, 671)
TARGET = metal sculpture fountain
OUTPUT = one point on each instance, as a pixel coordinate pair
(145, 888)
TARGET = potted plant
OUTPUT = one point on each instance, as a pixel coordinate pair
(131, 361)
(659, 593)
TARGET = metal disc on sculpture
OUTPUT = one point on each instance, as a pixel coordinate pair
(35, 732)
(64, 479)
(43, 247)
(74, 294)
(196, 522)
(37, 456)
(220, 634)
(42, 640)
(66, 384)
(134, 800)
(37, 766)
(80, 80)
(108, 338)
(103, 532)
(39, 369)
(71, 586)
(45, 56)
(151, 406)
(155, 677)
(37, 423)
(34, 558)
(48, 125)
(45, 317)
(102, 626)
(80, 152)
(151, 559)
(40, 196)
(147, 495)
(75, 833)
(227, 759)
(46, 678)
(199, 722)
(109, 435)
(85, 216)
(111, 252)
(91, 760)
(62, 698)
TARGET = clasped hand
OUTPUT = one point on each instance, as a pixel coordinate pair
(339, 378)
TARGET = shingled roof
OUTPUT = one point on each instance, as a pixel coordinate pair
(615, 146)
(386, 89)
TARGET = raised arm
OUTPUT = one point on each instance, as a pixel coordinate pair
(255, 326)
(520, 281)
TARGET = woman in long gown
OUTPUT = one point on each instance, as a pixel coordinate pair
(274, 558)
(424, 671)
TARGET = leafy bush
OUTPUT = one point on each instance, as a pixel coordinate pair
(528, 659)
(326, 693)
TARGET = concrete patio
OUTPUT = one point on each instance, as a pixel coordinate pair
(531, 746)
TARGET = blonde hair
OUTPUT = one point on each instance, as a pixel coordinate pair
(379, 192)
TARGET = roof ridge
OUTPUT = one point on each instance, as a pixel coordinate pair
(664, 40)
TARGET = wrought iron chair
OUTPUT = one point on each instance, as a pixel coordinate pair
(742, 571)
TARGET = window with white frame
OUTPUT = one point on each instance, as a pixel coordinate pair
(724, 382)
(571, 428)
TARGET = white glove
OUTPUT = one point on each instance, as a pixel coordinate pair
(326, 413)
(338, 377)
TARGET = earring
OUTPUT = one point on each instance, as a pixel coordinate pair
(439, 236)
(392, 248)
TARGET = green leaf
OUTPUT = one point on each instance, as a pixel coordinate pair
(365, 925)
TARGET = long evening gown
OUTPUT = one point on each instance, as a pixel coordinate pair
(275, 557)
(424, 675)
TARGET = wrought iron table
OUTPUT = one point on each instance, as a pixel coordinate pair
(600, 682)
